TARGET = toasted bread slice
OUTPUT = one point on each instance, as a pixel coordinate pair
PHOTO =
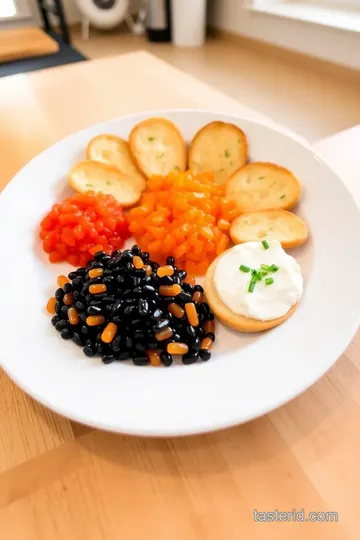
(228, 317)
(102, 178)
(157, 147)
(113, 150)
(261, 186)
(280, 225)
(218, 147)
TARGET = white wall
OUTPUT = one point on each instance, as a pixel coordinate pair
(331, 44)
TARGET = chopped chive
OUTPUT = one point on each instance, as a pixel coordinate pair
(265, 244)
(239, 140)
(108, 182)
(274, 268)
(283, 196)
(251, 286)
(160, 155)
(262, 177)
(265, 267)
(151, 139)
(227, 153)
(244, 268)
(264, 273)
(89, 185)
(269, 281)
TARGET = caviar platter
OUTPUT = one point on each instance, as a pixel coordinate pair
(188, 260)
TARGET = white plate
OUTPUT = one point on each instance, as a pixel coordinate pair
(247, 376)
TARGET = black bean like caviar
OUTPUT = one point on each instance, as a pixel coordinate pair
(166, 359)
(55, 320)
(59, 294)
(141, 318)
(89, 351)
(68, 288)
(61, 324)
(108, 358)
(190, 358)
(204, 354)
(140, 360)
(66, 333)
(77, 339)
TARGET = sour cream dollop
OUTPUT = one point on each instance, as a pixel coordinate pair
(266, 302)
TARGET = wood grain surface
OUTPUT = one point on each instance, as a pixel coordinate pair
(60, 480)
(19, 43)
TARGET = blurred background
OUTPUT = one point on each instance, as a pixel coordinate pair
(296, 61)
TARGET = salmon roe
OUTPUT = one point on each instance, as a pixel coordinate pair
(80, 226)
(183, 215)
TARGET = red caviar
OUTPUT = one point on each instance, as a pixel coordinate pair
(77, 228)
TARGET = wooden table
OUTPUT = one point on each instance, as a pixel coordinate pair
(60, 480)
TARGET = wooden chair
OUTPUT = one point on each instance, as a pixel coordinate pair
(56, 8)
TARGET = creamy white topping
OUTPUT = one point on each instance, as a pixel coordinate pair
(266, 302)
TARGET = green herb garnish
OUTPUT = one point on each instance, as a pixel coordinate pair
(108, 183)
(283, 196)
(262, 177)
(239, 140)
(269, 281)
(89, 185)
(244, 268)
(160, 155)
(227, 153)
(274, 268)
(265, 244)
(265, 267)
(251, 286)
(151, 139)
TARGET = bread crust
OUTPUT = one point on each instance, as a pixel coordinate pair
(219, 147)
(113, 150)
(263, 186)
(101, 178)
(157, 147)
(280, 225)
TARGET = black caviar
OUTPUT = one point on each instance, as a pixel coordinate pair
(118, 307)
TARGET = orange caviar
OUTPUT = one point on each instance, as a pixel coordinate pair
(192, 314)
(50, 306)
(61, 280)
(109, 332)
(95, 320)
(138, 262)
(73, 316)
(169, 290)
(154, 357)
(97, 288)
(163, 271)
(186, 216)
(209, 326)
(176, 310)
(177, 348)
(77, 228)
(96, 272)
(68, 299)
